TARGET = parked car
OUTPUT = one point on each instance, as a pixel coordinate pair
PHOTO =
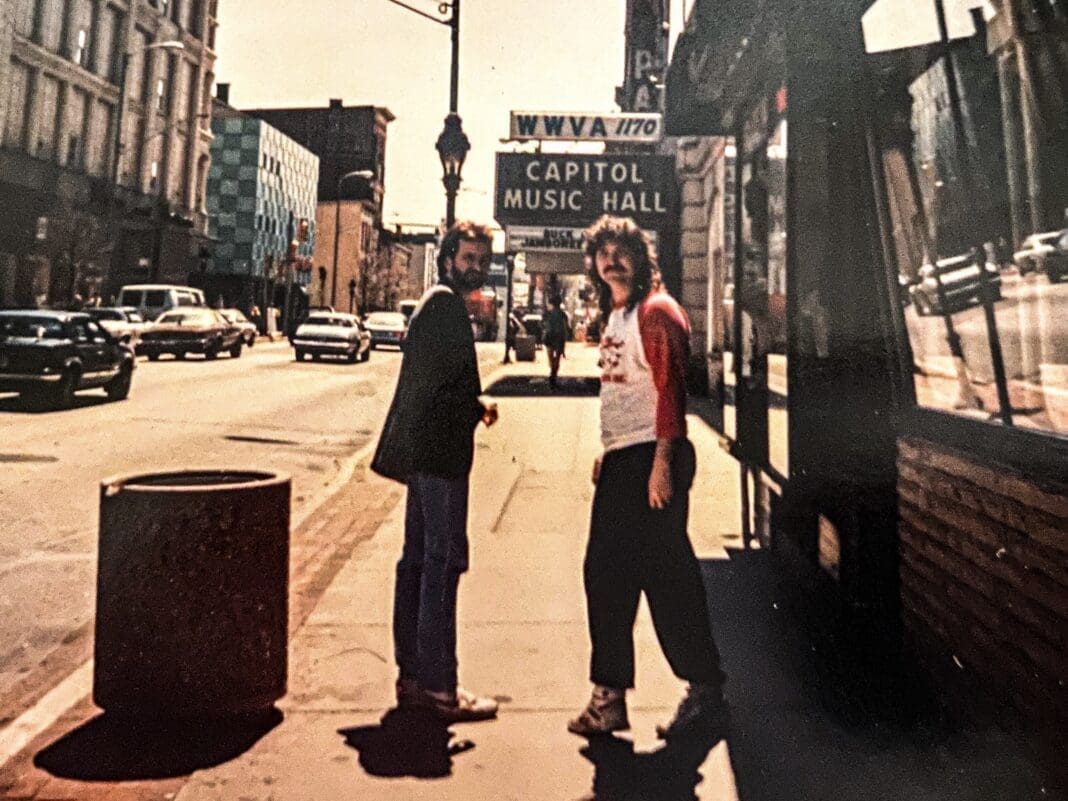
(1046, 252)
(154, 299)
(386, 328)
(248, 328)
(125, 323)
(47, 356)
(191, 330)
(332, 334)
(961, 285)
(407, 308)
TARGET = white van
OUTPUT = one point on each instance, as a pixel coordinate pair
(154, 299)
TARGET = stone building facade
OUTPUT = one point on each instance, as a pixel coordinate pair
(68, 230)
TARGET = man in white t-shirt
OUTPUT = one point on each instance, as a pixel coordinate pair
(638, 540)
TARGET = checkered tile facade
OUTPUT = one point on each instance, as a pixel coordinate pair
(258, 178)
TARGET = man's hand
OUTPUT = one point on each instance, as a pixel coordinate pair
(489, 414)
(660, 491)
(596, 476)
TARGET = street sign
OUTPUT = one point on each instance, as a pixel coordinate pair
(586, 126)
(571, 191)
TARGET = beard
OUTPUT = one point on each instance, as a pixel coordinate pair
(470, 280)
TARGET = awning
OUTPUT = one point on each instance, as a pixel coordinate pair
(715, 63)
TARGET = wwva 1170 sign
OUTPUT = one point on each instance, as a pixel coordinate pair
(574, 190)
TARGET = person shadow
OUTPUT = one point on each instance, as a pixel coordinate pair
(408, 741)
(668, 773)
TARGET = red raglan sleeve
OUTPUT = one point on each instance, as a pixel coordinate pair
(665, 333)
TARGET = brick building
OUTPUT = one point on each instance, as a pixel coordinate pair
(66, 229)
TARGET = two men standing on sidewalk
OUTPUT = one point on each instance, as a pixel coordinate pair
(638, 538)
(427, 443)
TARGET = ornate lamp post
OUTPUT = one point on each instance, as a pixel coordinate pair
(452, 144)
(452, 147)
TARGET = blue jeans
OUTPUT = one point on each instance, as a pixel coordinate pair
(428, 575)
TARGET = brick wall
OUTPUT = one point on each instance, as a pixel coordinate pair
(984, 580)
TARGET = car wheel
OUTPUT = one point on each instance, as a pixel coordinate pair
(63, 393)
(1054, 275)
(153, 357)
(365, 355)
(300, 355)
(250, 340)
(119, 387)
(235, 350)
(179, 354)
(353, 355)
(316, 357)
(211, 354)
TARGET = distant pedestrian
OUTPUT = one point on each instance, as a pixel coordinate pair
(427, 443)
(555, 338)
(638, 540)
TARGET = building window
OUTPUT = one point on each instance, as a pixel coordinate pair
(81, 48)
(976, 184)
(153, 175)
(161, 99)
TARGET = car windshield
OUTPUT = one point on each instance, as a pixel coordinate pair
(385, 318)
(31, 328)
(339, 322)
(155, 298)
(186, 318)
(107, 314)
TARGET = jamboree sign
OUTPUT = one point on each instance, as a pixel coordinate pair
(569, 190)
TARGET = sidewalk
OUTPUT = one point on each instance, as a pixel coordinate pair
(523, 639)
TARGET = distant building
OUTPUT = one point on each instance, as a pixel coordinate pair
(347, 140)
(261, 187)
(62, 233)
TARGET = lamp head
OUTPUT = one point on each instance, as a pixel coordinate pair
(452, 146)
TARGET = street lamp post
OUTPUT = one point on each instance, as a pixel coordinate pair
(452, 147)
(452, 144)
(366, 175)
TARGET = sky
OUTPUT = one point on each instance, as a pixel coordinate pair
(548, 55)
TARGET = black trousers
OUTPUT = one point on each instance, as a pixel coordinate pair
(634, 549)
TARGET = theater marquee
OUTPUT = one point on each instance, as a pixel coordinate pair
(565, 190)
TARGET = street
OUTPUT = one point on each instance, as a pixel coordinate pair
(263, 410)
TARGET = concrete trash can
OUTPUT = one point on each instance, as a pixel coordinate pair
(525, 346)
(192, 593)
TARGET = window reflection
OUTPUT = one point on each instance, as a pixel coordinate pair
(972, 123)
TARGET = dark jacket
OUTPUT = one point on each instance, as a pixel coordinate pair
(431, 421)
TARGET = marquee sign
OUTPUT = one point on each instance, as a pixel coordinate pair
(571, 191)
(586, 126)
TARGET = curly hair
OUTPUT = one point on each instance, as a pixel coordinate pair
(461, 231)
(626, 234)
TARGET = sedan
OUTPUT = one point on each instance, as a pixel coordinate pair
(47, 356)
(192, 330)
(332, 334)
(386, 328)
(125, 323)
(1046, 252)
(961, 285)
(248, 328)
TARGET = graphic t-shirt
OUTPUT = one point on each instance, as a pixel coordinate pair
(643, 380)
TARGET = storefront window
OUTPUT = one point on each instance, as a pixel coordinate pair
(760, 298)
(971, 121)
